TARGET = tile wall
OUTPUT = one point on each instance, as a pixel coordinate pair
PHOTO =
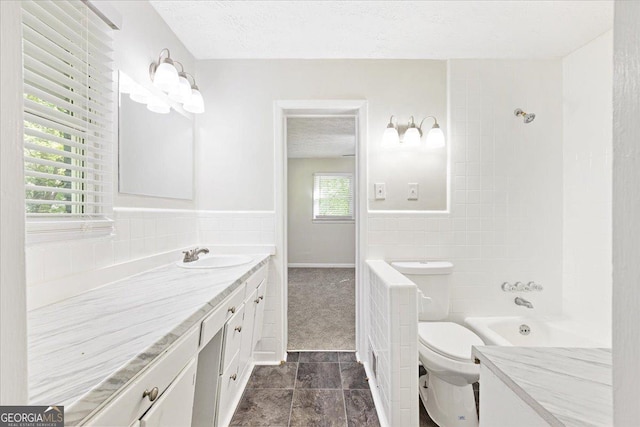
(505, 222)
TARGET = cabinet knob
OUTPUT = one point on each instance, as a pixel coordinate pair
(231, 309)
(233, 377)
(261, 297)
(257, 300)
(152, 395)
(238, 328)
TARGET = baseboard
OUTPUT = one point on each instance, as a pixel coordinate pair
(375, 393)
(319, 265)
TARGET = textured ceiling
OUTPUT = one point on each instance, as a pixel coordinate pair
(321, 137)
(385, 29)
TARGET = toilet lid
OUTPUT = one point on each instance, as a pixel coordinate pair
(449, 339)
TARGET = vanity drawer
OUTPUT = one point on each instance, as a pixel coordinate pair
(229, 388)
(130, 404)
(227, 309)
(234, 330)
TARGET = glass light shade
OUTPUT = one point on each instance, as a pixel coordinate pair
(390, 136)
(139, 94)
(182, 92)
(435, 138)
(411, 137)
(166, 77)
(158, 105)
(195, 104)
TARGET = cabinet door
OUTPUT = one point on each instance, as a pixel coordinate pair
(246, 348)
(175, 406)
(259, 316)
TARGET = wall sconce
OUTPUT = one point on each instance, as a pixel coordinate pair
(166, 77)
(412, 134)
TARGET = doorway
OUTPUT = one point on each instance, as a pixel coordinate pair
(283, 111)
(321, 231)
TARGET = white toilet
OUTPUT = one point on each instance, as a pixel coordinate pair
(444, 347)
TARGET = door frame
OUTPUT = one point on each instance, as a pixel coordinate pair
(281, 110)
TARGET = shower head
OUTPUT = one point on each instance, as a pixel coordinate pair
(527, 118)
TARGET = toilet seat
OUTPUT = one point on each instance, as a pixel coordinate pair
(448, 339)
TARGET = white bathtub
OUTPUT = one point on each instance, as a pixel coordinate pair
(544, 332)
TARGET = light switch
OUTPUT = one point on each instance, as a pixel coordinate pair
(381, 191)
(413, 191)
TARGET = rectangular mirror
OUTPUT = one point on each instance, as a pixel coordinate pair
(155, 151)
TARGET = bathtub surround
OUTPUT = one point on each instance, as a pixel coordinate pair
(321, 309)
(626, 211)
(587, 85)
(565, 386)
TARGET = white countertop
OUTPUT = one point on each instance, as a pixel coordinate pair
(565, 386)
(84, 349)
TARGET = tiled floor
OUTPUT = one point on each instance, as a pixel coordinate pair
(311, 389)
(322, 310)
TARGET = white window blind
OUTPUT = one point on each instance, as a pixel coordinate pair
(333, 197)
(68, 120)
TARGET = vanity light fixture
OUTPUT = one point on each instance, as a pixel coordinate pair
(165, 76)
(412, 134)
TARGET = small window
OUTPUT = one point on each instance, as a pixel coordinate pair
(333, 197)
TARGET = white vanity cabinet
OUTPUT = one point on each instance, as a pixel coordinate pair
(230, 335)
(174, 407)
(199, 379)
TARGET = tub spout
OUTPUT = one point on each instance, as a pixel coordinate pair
(523, 302)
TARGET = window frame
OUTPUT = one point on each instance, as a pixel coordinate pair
(331, 219)
(90, 145)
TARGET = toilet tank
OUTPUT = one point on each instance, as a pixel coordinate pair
(433, 279)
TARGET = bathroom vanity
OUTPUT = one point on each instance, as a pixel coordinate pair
(534, 386)
(167, 347)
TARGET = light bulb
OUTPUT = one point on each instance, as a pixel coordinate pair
(435, 137)
(182, 92)
(195, 104)
(411, 137)
(166, 76)
(158, 105)
(139, 94)
(390, 136)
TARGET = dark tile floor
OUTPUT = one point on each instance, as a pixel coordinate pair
(311, 389)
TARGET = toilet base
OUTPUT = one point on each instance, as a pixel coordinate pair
(448, 405)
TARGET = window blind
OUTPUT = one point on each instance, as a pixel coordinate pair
(68, 118)
(333, 196)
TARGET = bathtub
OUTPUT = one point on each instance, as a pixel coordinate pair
(533, 332)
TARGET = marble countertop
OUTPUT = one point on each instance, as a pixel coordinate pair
(84, 349)
(565, 386)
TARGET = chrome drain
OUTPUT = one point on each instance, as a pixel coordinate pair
(525, 329)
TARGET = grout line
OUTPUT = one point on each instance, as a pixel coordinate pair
(344, 401)
(293, 393)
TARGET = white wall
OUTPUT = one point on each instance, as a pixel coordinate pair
(626, 211)
(309, 242)
(13, 318)
(144, 226)
(587, 86)
(506, 218)
(235, 169)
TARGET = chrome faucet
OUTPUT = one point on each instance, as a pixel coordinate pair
(192, 255)
(524, 302)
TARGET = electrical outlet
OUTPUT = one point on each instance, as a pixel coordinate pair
(381, 191)
(413, 191)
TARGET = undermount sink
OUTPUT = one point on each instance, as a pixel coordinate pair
(216, 261)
